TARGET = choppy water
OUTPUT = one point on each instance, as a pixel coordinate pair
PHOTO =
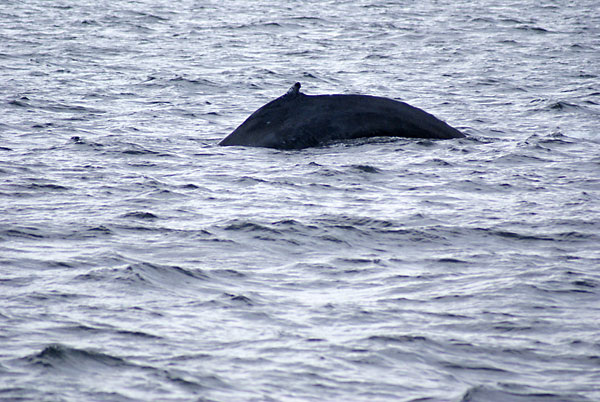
(139, 261)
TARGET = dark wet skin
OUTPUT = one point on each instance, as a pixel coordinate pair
(296, 121)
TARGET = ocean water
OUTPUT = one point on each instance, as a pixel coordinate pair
(141, 261)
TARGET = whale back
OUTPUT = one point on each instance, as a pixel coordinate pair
(296, 120)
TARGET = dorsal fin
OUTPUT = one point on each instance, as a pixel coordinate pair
(294, 90)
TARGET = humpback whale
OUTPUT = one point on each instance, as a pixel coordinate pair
(296, 121)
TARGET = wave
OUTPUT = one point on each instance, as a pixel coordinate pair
(81, 366)
(517, 393)
(62, 357)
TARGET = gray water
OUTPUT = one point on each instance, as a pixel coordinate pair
(141, 261)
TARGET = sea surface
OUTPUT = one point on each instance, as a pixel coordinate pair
(140, 261)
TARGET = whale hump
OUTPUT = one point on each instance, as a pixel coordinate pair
(296, 121)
